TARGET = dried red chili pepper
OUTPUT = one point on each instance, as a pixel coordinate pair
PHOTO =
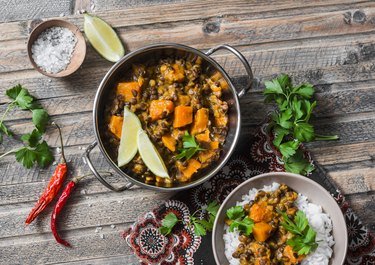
(58, 207)
(60, 204)
(53, 186)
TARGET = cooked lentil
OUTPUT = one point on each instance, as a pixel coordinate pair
(167, 96)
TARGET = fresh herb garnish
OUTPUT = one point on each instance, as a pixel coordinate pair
(190, 147)
(167, 224)
(201, 226)
(303, 241)
(34, 150)
(290, 123)
(239, 220)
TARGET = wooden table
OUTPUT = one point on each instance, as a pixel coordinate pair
(330, 43)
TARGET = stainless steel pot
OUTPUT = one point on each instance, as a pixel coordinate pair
(154, 52)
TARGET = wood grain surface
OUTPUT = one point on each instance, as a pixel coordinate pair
(329, 43)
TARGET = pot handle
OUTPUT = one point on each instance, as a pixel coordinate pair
(87, 160)
(242, 59)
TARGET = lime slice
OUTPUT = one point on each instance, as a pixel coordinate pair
(150, 155)
(129, 138)
(103, 38)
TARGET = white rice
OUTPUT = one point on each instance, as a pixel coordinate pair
(319, 221)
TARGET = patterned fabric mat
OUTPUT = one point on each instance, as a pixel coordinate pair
(252, 157)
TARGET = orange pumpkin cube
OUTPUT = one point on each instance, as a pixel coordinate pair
(129, 90)
(200, 121)
(160, 107)
(183, 115)
(115, 125)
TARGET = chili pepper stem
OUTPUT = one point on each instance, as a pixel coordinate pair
(61, 143)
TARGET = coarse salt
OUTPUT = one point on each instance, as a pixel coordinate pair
(53, 49)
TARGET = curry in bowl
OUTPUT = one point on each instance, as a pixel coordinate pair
(180, 106)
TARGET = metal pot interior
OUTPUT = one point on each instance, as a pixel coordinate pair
(152, 54)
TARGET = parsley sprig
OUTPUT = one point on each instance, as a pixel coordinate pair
(238, 219)
(303, 241)
(190, 147)
(35, 150)
(290, 123)
(201, 226)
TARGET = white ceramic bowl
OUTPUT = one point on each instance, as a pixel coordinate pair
(312, 190)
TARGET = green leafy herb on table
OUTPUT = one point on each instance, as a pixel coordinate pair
(303, 241)
(22, 98)
(34, 150)
(190, 147)
(238, 219)
(167, 224)
(201, 226)
(290, 123)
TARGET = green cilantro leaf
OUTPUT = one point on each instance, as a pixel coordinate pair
(309, 107)
(170, 220)
(304, 132)
(245, 225)
(21, 97)
(26, 156)
(236, 215)
(304, 90)
(303, 241)
(41, 154)
(273, 87)
(165, 230)
(40, 119)
(301, 220)
(290, 123)
(201, 226)
(280, 132)
(288, 149)
(199, 229)
(297, 108)
(4, 130)
(212, 208)
(167, 224)
(32, 139)
(284, 81)
(298, 164)
(206, 224)
(288, 224)
(235, 212)
(190, 147)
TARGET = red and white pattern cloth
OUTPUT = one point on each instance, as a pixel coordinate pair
(252, 157)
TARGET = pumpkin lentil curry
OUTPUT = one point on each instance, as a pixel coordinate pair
(268, 242)
(171, 98)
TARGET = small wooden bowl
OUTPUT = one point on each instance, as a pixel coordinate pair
(79, 51)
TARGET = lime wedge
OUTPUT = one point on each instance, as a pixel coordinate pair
(129, 138)
(103, 38)
(150, 155)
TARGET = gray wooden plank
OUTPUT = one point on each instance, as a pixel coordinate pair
(33, 9)
(14, 190)
(298, 58)
(100, 209)
(43, 249)
(117, 260)
(233, 22)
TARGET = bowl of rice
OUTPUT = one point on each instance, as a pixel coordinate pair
(233, 246)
